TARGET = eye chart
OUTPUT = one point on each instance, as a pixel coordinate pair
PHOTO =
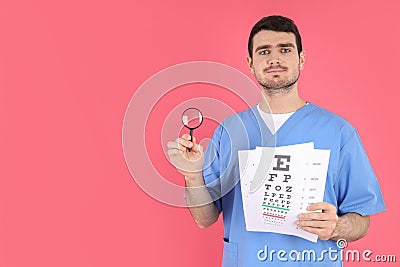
(279, 183)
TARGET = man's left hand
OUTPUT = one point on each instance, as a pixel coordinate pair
(321, 223)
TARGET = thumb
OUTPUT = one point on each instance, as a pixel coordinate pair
(196, 147)
(187, 138)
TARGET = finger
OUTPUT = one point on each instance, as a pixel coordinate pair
(317, 224)
(197, 148)
(311, 230)
(322, 233)
(185, 141)
(173, 152)
(175, 145)
(182, 142)
(324, 206)
(187, 137)
(319, 216)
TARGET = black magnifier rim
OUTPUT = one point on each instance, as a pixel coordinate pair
(197, 125)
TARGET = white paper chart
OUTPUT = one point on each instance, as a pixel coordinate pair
(279, 183)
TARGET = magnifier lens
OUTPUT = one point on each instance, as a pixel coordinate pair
(192, 118)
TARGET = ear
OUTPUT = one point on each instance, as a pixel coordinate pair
(250, 63)
(302, 59)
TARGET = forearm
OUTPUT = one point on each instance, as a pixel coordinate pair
(200, 202)
(351, 227)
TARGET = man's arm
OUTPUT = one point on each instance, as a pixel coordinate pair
(351, 227)
(200, 202)
(190, 164)
(328, 225)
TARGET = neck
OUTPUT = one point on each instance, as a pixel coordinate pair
(279, 103)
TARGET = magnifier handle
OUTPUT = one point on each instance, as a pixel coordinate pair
(191, 139)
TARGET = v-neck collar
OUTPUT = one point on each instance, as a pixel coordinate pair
(289, 123)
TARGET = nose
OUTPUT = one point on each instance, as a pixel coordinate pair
(274, 62)
(274, 59)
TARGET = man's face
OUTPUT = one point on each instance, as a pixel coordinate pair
(276, 62)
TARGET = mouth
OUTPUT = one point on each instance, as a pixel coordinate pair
(275, 70)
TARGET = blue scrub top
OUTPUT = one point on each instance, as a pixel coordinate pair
(351, 184)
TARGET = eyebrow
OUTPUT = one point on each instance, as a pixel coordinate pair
(278, 45)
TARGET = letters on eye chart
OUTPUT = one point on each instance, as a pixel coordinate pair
(279, 183)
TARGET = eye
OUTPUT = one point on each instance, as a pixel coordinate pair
(264, 52)
(286, 50)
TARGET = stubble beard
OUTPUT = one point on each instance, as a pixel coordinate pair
(284, 86)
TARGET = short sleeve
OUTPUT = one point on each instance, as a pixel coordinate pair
(211, 167)
(357, 187)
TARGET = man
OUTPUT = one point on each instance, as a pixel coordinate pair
(282, 118)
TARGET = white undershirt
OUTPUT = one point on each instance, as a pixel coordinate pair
(274, 121)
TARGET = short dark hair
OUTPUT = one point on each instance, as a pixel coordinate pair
(277, 24)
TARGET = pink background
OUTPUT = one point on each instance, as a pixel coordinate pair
(68, 70)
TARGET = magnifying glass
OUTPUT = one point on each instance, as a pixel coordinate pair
(192, 119)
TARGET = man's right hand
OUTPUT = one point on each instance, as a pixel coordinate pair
(189, 163)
